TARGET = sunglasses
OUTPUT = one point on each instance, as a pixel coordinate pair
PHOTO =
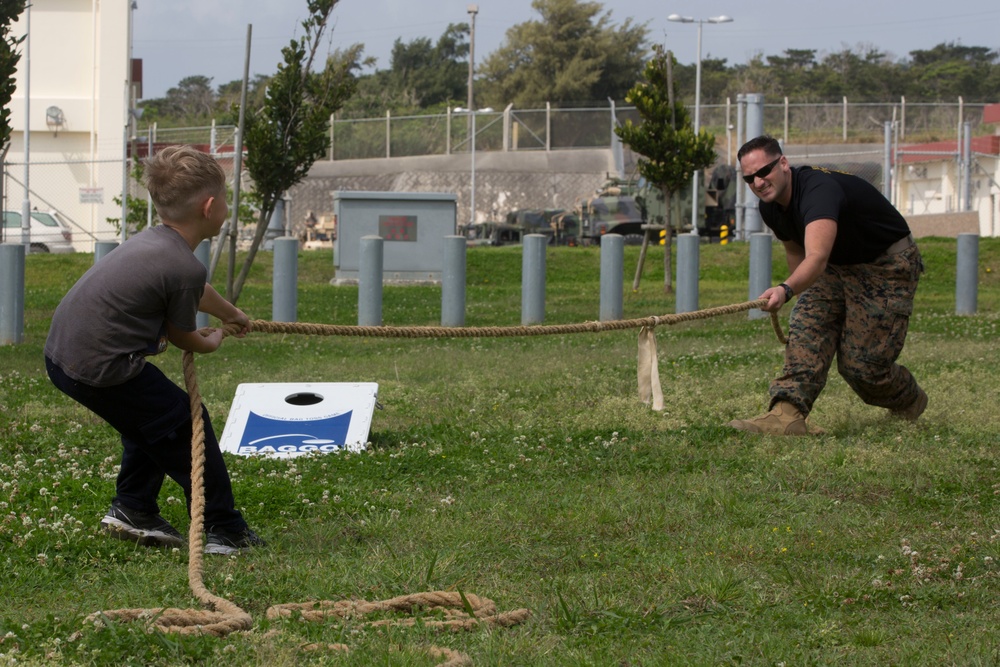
(762, 172)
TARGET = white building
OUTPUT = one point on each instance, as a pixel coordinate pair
(940, 178)
(77, 55)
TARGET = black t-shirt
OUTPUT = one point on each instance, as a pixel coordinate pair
(867, 223)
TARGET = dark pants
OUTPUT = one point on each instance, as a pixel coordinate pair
(153, 416)
(860, 314)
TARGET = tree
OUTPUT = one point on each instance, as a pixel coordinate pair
(666, 139)
(951, 70)
(433, 73)
(290, 132)
(573, 54)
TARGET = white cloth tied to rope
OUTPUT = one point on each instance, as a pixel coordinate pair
(649, 371)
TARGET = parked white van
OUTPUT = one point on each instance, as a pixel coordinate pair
(48, 232)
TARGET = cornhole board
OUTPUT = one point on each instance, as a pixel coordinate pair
(286, 419)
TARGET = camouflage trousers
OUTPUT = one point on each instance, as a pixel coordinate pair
(858, 313)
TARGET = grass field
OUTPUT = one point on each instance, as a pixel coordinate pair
(527, 471)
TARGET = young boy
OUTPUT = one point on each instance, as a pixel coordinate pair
(128, 306)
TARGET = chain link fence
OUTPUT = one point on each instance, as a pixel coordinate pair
(83, 191)
(553, 128)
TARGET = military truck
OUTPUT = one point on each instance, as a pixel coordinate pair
(718, 195)
(560, 229)
(611, 210)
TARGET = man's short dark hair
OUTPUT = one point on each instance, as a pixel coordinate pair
(764, 142)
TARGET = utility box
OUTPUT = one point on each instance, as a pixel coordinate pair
(285, 419)
(412, 225)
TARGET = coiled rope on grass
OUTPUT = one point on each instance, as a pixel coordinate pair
(460, 611)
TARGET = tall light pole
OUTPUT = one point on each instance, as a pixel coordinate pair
(472, 150)
(473, 10)
(697, 100)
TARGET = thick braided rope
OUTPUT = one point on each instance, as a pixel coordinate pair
(265, 326)
(461, 611)
(225, 617)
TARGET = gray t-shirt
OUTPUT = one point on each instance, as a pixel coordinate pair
(117, 313)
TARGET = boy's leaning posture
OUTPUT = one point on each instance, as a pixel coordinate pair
(127, 307)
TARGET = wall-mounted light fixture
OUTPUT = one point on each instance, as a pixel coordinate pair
(55, 119)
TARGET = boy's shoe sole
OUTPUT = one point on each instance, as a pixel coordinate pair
(156, 532)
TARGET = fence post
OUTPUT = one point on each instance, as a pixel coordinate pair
(533, 279)
(612, 276)
(752, 222)
(887, 160)
(688, 265)
(11, 293)
(786, 120)
(845, 118)
(370, 282)
(967, 167)
(453, 282)
(285, 281)
(760, 270)
(966, 274)
(548, 127)
(902, 117)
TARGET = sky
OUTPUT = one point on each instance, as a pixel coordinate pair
(181, 38)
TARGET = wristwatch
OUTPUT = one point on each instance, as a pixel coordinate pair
(789, 292)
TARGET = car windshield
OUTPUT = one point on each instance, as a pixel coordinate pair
(44, 218)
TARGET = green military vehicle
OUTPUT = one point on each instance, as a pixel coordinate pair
(561, 229)
(719, 197)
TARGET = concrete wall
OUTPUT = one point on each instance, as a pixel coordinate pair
(504, 181)
(944, 224)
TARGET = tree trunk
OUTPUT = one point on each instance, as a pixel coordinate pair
(262, 222)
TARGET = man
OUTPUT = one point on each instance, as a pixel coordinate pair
(853, 263)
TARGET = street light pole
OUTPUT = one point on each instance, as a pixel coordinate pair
(470, 102)
(697, 101)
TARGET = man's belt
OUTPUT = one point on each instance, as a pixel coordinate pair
(901, 245)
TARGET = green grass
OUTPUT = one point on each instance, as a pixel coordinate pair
(526, 470)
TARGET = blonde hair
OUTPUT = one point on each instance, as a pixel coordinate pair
(178, 177)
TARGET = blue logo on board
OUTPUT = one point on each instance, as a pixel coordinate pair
(264, 435)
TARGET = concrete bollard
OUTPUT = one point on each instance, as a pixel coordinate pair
(967, 274)
(11, 293)
(688, 268)
(370, 282)
(285, 280)
(102, 248)
(760, 271)
(453, 282)
(533, 279)
(612, 277)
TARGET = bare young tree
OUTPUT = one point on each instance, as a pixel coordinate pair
(289, 132)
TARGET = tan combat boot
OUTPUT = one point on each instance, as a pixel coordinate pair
(783, 419)
(914, 410)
